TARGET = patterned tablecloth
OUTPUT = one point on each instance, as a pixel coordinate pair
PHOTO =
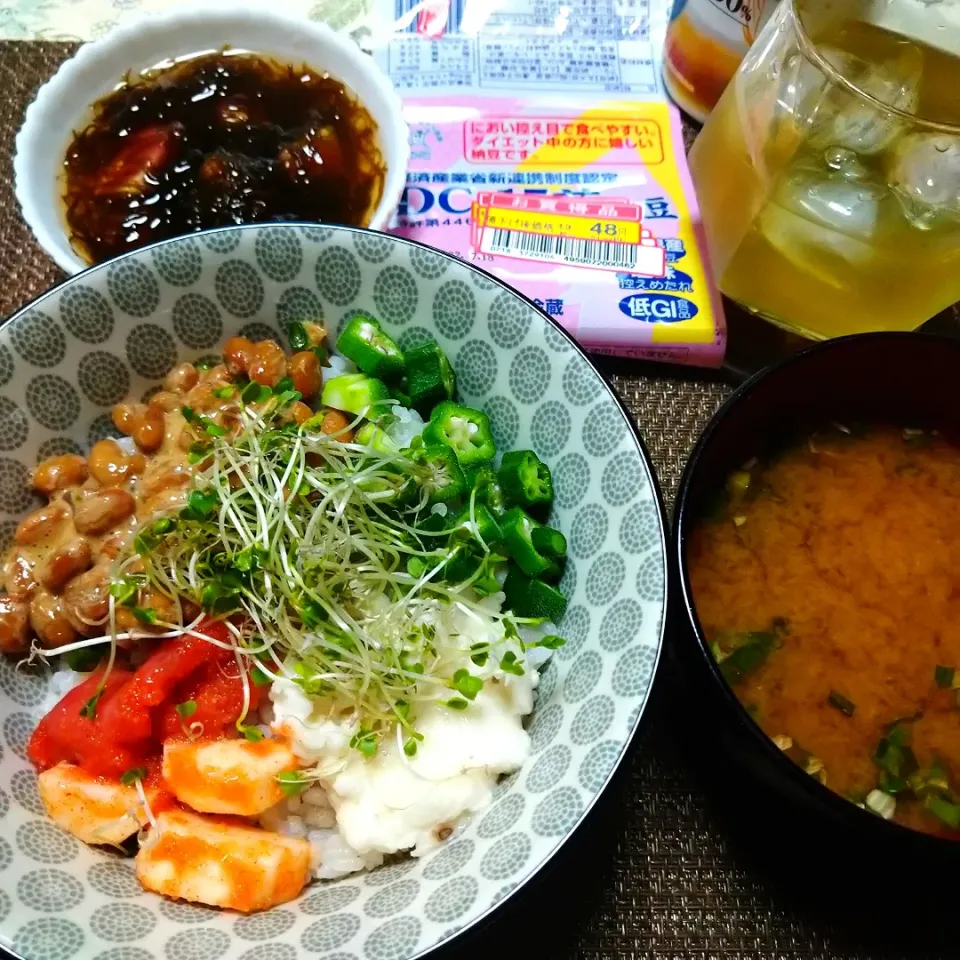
(670, 865)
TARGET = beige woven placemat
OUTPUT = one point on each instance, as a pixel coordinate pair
(664, 869)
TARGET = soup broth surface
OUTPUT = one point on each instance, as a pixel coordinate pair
(827, 581)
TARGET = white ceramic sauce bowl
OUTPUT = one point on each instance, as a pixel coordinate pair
(64, 103)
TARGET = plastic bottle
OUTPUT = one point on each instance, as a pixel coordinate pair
(706, 40)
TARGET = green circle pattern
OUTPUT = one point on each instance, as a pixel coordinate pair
(86, 314)
(373, 247)
(103, 377)
(338, 276)
(57, 446)
(605, 578)
(299, 305)
(6, 366)
(52, 402)
(632, 673)
(506, 857)
(452, 900)
(395, 940)
(395, 295)
(546, 725)
(508, 321)
(530, 374)
(48, 938)
(239, 288)
(50, 890)
(14, 425)
(385, 875)
(454, 309)
(502, 816)
(134, 288)
(589, 531)
(548, 769)
(450, 860)
(592, 720)
(622, 480)
(151, 351)
(638, 528)
(598, 764)
(580, 385)
(476, 367)
(650, 577)
(603, 430)
(264, 926)
(571, 480)
(427, 265)
(197, 322)
(416, 337)
(504, 421)
(317, 234)
(331, 932)
(392, 899)
(555, 339)
(180, 264)
(328, 899)
(122, 922)
(585, 673)
(279, 253)
(558, 814)
(39, 340)
(576, 627)
(620, 624)
(550, 429)
(224, 241)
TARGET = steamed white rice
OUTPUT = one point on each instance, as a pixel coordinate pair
(62, 681)
(409, 424)
(337, 366)
(311, 817)
(365, 809)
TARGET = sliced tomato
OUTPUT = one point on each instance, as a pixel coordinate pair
(65, 733)
(216, 693)
(136, 711)
(145, 152)
(318, 154)
(129, 716)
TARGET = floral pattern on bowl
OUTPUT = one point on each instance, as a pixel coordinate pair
(113, 332)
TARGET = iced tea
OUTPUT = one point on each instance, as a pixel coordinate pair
(830, 206)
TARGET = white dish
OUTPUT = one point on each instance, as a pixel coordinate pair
(63, 104)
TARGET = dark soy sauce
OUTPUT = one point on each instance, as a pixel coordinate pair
(217, 140)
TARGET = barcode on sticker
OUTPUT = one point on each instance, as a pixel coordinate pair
(595, 233)
(598, 253)
(646, 258)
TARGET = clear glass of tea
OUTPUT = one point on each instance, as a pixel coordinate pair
(828, 176)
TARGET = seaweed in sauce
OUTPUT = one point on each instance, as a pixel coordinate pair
(217, 140)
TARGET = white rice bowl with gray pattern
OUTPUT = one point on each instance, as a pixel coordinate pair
(112, 333)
